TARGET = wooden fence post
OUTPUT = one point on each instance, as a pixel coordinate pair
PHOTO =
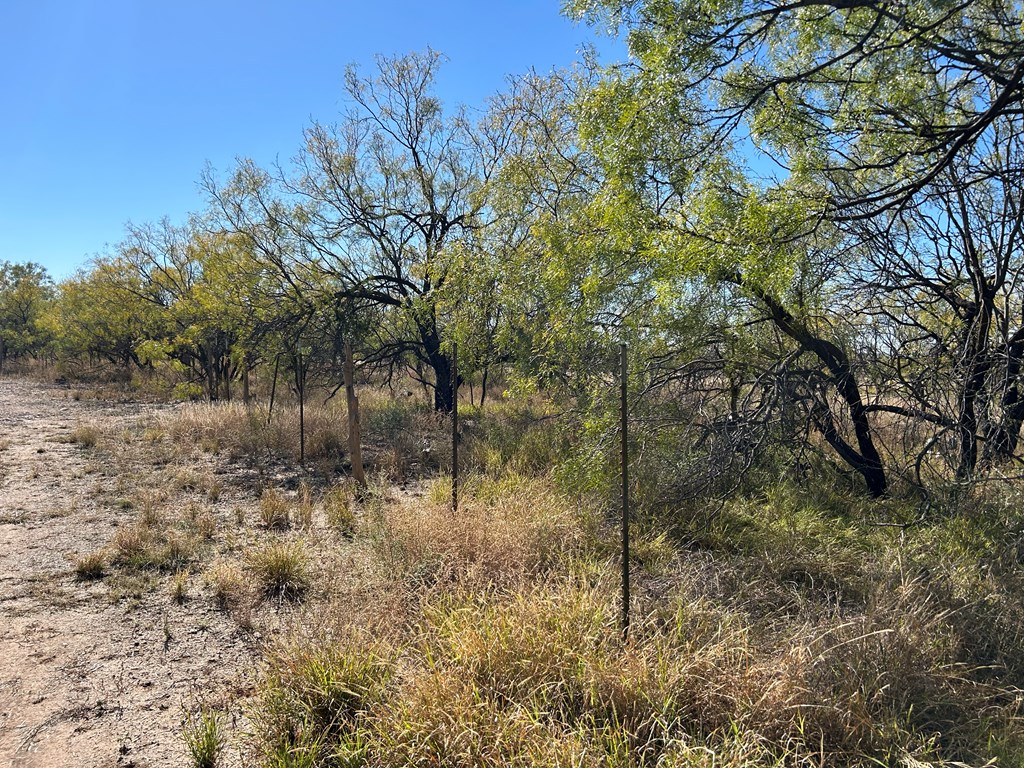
(355, 449)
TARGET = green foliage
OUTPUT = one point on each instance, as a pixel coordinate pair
(26, 293)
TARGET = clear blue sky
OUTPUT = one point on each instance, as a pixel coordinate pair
(112, 107)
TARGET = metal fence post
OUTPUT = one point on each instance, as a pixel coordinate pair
(455, 427)
(300, 374)
(623, 427)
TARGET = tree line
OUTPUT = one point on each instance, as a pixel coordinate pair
(804, 218)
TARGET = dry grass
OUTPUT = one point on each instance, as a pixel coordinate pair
(505, 529)
(275, 510)
(228, 584)
(542, 677)
(782, 630)
(179, 587)
(338, 502)
(91, 566)
(401, 439)
(281, 569)
(804, 640)
(85, 435)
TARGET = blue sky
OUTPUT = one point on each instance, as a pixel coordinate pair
(112, 107)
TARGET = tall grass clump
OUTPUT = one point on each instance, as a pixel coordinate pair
(315, 698)
(281, 569)
(275, 510)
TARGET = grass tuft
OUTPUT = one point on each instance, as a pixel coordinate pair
(275, 510)
(91, 566)
(85, 435)
(281, 569)
(204, 739)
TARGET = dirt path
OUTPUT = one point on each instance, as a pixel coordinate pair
(89, 677)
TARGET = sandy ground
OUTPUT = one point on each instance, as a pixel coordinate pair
(90, 676)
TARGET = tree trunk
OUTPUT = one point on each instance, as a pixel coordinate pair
(865, 459)
(975, 349)
(246, 395)
(1002, 438)
(212, 384)
(443, 393)
(441, 365)
(355, 449)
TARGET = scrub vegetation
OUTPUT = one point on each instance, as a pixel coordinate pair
(803, 224)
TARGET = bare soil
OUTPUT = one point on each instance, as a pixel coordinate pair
(97, 672)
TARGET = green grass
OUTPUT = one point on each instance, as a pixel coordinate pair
(204, 739)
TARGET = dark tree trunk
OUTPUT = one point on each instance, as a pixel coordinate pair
(206, 360)
(441, 365)
(864, 459)
(246, 395)
(1003, 437)
(979, 323)
(443, 394)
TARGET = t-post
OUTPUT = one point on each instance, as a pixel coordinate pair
(455, 427)
(300, 385)
(623, 428)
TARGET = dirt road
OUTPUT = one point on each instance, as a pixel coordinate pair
(90, 676)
